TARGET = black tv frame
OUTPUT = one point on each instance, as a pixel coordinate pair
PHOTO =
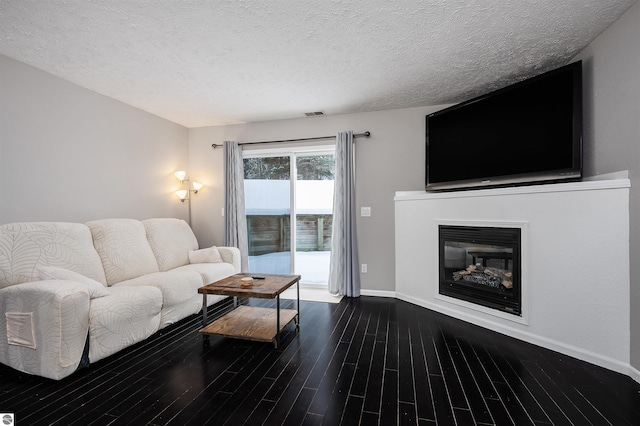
(572, 173)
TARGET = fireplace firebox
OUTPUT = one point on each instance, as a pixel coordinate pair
(481, 265)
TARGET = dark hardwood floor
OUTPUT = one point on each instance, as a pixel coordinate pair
(364, 361)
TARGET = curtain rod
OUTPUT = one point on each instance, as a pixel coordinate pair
(356, 135)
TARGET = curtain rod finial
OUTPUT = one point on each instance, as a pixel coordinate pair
(215, 145)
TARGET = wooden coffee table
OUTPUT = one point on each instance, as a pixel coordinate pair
(252, 322)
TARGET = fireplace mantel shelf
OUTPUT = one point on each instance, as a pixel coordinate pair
(585, 185)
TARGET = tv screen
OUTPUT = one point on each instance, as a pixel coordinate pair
(529, 132)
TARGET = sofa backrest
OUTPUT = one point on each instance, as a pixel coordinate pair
(123, 247)
(170, 240)
(24, 247)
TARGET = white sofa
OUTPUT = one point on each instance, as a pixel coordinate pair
(73, 293)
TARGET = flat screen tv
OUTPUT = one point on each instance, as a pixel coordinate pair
(526, 133)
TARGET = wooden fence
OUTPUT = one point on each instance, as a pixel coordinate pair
(269, 234)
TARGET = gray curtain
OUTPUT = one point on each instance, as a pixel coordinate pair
(235, 221)
(344, 275)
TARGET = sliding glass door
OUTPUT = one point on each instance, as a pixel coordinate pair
(267, 188)
(314, 216)
(289, 204)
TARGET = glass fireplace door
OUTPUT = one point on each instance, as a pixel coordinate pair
(481, 265)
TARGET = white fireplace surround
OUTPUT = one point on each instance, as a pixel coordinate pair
(575, 266)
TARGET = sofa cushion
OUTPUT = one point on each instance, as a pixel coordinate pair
(209, 272)
(180, 297)
(94, 288)
(170, 240)
(123, 247)
(26, 246)
(208, 255)
(127, 316)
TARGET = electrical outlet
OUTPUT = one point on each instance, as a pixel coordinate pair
(365, 211)
(222, 212)
(364, 268)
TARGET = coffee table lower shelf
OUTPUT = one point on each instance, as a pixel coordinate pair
(251, 323)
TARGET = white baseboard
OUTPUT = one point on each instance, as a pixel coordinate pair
(378, 293)
(554, 345)
(634, 374)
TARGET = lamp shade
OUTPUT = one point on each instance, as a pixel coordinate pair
(182, 194)
(197, 186)
(180, 175)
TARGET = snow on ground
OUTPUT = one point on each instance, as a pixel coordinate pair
(313, 266)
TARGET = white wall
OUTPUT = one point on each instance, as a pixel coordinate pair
(70, 154)
(611, 66)
(391, 159)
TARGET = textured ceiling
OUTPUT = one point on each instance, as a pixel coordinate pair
(202, 63)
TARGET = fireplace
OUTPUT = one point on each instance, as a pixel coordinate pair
(481, 265)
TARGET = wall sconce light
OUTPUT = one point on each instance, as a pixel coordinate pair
(185, 194)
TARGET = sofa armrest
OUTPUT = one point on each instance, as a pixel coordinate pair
(231, 255)
(44, 326)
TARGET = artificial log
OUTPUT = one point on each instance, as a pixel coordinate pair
(487, 276)
(496, 272)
